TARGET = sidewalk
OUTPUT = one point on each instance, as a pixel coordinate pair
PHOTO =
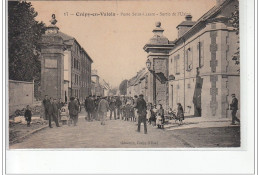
(18, 129)
(199, 122)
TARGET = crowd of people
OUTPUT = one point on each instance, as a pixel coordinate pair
(124, 108)
(62, 112)
(128, 109)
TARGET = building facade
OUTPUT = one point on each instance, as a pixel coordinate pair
(202, 72)
(196, 69)
(65, 66)
(138, 84)
(99, 86)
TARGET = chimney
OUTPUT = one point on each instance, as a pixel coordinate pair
(184, 26)
(219, 2)
(188, 17)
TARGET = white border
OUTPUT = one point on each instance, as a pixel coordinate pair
(196, 161)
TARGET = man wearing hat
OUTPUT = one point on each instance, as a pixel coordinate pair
(234, 108)
(103, 108)
(141, 110)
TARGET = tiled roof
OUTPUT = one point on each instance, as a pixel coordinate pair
(69, 40)
(104, 84)
(136, 79)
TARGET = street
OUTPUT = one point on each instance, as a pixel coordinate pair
(122, 134)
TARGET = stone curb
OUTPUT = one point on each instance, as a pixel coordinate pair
(20, 139)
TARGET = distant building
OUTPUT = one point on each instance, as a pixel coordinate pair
(65, 65)
(99, 86)
(77, 68)
(106, 87)
(138, 84)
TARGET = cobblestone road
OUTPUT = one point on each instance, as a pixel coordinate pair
(122, 134)
(115, 134)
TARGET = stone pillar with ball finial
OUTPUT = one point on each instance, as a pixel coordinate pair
(158, 48)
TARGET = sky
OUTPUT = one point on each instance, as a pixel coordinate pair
(115, 43)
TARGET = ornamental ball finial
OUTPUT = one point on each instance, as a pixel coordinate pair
(158, 24)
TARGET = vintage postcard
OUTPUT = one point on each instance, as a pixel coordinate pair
(124, 74)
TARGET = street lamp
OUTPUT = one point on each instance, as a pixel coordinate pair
(149, 65)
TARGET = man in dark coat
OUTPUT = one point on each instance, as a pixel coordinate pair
(59, 105)
(56, 112)
(118, 107)
(112, 106)
(141, 111)
(73, 110)
(89, 106)
(51, 111)
(234, 108)
(95, 113)
(45, 101)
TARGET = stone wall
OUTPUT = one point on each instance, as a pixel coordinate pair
(21, 94)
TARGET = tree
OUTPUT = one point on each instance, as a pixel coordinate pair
(24, 33)
(234, 21)
(123, 87)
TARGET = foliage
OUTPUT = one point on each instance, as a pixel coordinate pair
(24, 33)
(234, 21)
(123, 87)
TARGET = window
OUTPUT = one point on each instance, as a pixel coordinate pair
(172, 95)
(201, 53)
(178, 97)
(177, 64)
(189, 61)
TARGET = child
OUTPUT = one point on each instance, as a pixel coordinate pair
(28, 115)
(160, 116)
(180, 113)
(64, 114)
(149, 115)
(128, 111)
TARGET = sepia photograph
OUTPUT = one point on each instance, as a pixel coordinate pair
(121, 74)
